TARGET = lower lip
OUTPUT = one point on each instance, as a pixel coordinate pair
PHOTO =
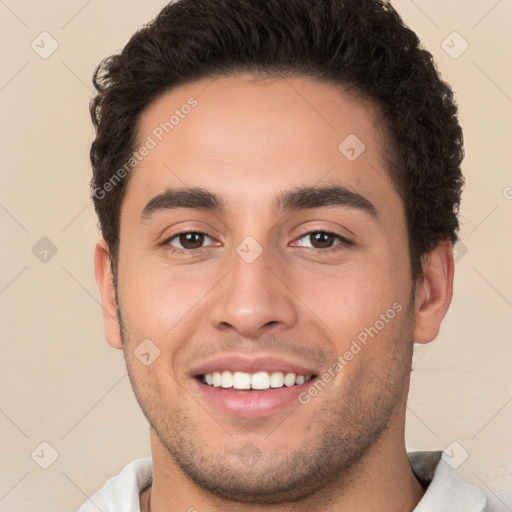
(251, 404)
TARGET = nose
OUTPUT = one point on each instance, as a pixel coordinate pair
(253, 299)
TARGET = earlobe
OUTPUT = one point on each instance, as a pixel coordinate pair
(434, 293)
(105, 282)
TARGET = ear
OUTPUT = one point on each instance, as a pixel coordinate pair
(434, 293)
(105, 281)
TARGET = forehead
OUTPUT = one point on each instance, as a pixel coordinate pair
(248, 138)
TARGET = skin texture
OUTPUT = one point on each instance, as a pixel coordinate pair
(249, 139)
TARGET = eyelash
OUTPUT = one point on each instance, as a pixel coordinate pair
(344, 242)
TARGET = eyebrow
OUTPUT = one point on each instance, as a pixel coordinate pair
(298, 199)
(319, 197)
(194, 197)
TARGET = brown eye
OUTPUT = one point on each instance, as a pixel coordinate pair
(322, 240)
(191, 240)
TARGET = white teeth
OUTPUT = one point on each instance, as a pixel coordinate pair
(216, 379)
(289, 379)
(300, 379)
(241, 380)
(226, 380)
(258, 380)
(277, 380)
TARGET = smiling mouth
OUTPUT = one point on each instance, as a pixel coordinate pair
(259, 381)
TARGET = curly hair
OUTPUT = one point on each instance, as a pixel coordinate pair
(362, 45)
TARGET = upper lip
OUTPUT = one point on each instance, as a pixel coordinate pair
(243, 363)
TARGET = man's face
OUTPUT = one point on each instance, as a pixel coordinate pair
(268, 288)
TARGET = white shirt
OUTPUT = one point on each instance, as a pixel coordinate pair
(446, 492)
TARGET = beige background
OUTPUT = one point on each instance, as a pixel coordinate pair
(62, 384)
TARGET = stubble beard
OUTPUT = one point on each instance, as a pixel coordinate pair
(327, 457)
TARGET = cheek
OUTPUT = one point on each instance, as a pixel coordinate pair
(352, 297)
(157, 299)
